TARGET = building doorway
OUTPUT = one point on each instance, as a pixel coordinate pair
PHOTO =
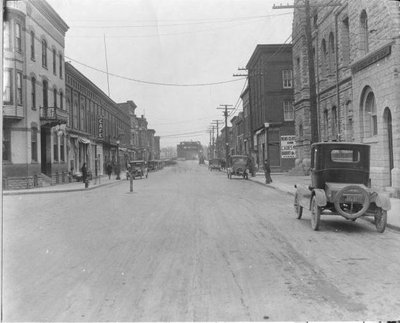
(45, 151)
(387, 117)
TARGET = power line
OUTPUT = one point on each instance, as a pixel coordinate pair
(210, 21)
(150, 82)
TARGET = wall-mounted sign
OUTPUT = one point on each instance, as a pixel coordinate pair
(100, 125)
(287, 146)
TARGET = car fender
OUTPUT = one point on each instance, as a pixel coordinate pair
(381, 200)
(320, 197)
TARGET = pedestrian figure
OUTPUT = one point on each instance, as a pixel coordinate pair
(109, 170)
(267, 172)
(84, 174)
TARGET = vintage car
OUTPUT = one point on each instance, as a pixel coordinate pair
(340, 185)
(214, 163)
(239, 165)
(138, 168)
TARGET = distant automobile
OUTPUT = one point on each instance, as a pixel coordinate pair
(239, 166)
(137, 168)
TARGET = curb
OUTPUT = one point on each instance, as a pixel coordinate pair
(25, 192)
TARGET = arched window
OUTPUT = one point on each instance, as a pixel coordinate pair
(331, 52)
(371, 128)
(364, 32)
(368, 120)
(324, 53)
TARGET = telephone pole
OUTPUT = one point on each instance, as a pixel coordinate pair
(216, 122)
(225, 108)
(310, 55)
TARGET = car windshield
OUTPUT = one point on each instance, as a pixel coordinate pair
(239, 160)
(345, 155)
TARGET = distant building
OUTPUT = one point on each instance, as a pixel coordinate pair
(34, 113)
(246, 122)
(133, 148)
(189, 149)
(271, 110)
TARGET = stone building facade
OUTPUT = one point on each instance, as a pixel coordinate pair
(356, 48)
(34, 114)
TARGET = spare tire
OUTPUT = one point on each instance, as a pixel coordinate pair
(342, 207)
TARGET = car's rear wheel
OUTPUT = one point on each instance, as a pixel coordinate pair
(315, 214)
(297, 207)
(380, 220)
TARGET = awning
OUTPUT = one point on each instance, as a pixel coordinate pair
(123, 149)
(84, 140)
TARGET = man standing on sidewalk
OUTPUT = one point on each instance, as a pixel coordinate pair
(267, 172)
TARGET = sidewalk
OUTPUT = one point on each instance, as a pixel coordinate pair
(285, 183)
(68, 187)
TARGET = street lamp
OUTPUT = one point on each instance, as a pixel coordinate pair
(118, 166)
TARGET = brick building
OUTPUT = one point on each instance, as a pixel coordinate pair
(271, 105)
(356, 50)
(34, 115)
(98, 131)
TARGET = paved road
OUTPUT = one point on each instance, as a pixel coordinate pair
(189, 244)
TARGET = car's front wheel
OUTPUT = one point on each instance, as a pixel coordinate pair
(315, 214)
(380, 220)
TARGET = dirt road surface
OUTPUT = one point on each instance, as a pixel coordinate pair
(191, 245)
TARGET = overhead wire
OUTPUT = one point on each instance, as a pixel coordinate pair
(151, 82)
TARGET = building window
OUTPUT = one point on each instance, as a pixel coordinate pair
(18, 39)
(324, 55)
(55, 98)
(45, 94)
(34, 145)
(7, 144)
(326, 124)
(364, 32)
(288, 110)
(7, 87)
(33, 93)
(331, 52)
(62, 153)
(287, 76)
(32, 45)
(61, 101)
(44, 53)
(370, 121)
(334, 123)
(6, 35)
(61, 66)
(301, 131)
(55, 146)
(19, 88)
(346, 41)
(54, 62)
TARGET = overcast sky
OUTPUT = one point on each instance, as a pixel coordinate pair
(182, 42)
